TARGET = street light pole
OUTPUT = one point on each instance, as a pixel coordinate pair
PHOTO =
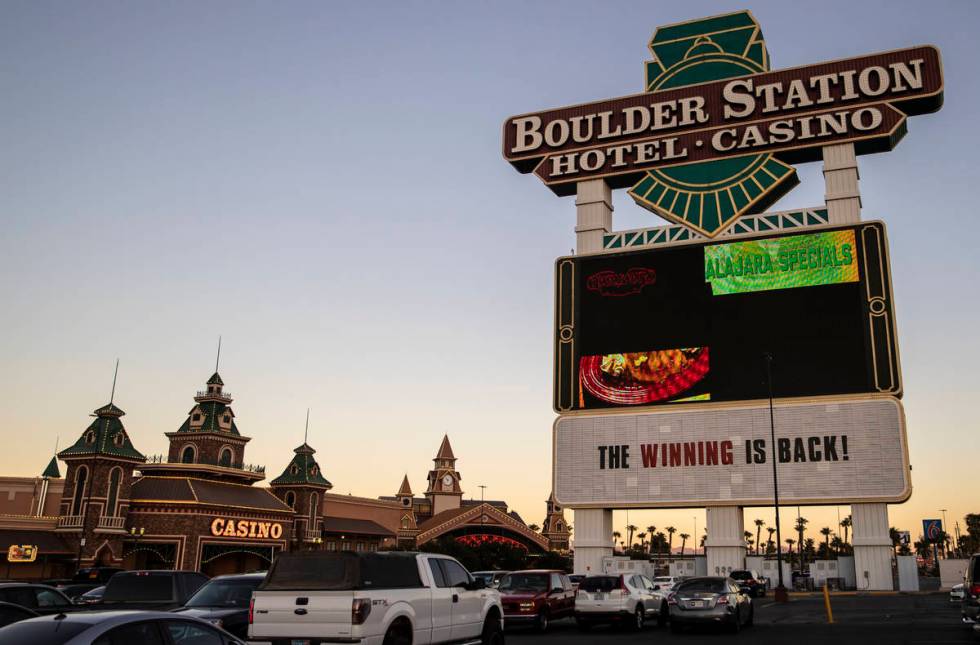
(780, 593)
(945, 533)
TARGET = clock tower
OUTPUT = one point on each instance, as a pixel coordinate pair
(444, 491)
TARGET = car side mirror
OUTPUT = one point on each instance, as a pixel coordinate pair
(475, 585)
(558, 590)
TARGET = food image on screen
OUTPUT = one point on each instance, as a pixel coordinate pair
(636, 378)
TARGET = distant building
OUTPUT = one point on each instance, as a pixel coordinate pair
(199, 507)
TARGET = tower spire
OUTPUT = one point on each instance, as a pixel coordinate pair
(112, 395)
(306, 432)
(217, 360)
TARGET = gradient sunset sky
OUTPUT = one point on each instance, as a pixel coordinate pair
(321, 184)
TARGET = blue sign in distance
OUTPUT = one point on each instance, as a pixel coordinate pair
(932, 529)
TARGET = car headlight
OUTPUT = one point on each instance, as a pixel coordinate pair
(527, 606)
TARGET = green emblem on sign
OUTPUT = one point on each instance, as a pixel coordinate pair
(709, 196)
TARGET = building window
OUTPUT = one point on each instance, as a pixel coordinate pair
(405, 523)
(227, 419)
(372, 547)
(359, 547)
(314, 471)
(114, 479)
(314, 503)
(119, 439)
(187, 456)
(558, 525)
(291, 500)
(90, 437)
(225, 458)
(81, 476)
(331, 546)
(196, 417)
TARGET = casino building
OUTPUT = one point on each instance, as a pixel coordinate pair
(199, 507)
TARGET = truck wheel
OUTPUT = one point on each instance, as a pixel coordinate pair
(492, 634)
(541, 624)
(396, 635)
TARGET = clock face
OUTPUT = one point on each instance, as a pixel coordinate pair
(447, 482)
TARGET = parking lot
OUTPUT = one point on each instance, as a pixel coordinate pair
(859, 619)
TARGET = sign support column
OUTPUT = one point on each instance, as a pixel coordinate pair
(593, 527)
(725, 546)
(593, 210)
(872, 544)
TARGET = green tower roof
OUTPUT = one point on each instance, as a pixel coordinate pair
(105, 436)
(302, 471)
(212, 411)
(52, 471)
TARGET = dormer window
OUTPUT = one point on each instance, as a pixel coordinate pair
(196, 417)
(211, 389)
(90, 437)
(119, 439)
(227, 418)
(293, 470)
(314, 471)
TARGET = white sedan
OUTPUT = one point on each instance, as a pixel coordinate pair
(116, 628)
(957, 593)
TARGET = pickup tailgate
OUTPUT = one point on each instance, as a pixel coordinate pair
(300, 614)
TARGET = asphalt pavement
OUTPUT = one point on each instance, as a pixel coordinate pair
(894, 619)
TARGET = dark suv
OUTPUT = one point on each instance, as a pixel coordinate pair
(156, 590)
(536, 597)
(224, 602)
(971, 591)
(750, 582)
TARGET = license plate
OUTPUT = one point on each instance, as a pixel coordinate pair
(694, 603)
(600, 596)
(299, 641)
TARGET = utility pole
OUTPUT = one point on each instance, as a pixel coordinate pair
(781, 594)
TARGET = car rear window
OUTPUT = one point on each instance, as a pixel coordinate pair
(150, 587)
(341, 572)
(43, 632)
(740, 575)
(706, 585)
(599, 583)
(976, 569)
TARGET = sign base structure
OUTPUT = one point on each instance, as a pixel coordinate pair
(829, 450)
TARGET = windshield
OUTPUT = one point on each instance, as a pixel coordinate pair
(95, 593)
(661, 579)
(515, 582)
(233, 592)
(599, 583)
(740, 575)
(43, 632)
(705, 585)
(140, 587)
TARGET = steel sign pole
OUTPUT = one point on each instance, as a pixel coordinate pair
(780, 593)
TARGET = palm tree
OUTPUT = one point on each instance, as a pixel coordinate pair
(801, 523)
(642, 537)
(895, 538)
(704, 538)
(616, 536)
(684, 537)
(670, 544)
(662, 541)
(825, 532)
(630, 530)
(758, 532)
(534, 527)
(790, 542)
(650, 531)
(846, 523)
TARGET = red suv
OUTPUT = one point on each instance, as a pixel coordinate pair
(536, 597)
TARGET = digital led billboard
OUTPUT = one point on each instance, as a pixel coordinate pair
(692, 322)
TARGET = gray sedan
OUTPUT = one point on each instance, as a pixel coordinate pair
(709, 601)
(117, 628)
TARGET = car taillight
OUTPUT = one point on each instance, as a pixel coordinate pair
(251, 610)
(723, 599)
(360, 610)
(975, 590)
(671, 600)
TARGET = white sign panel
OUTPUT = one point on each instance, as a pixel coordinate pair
(836, 451)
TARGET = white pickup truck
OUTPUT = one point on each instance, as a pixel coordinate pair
(386, 598)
